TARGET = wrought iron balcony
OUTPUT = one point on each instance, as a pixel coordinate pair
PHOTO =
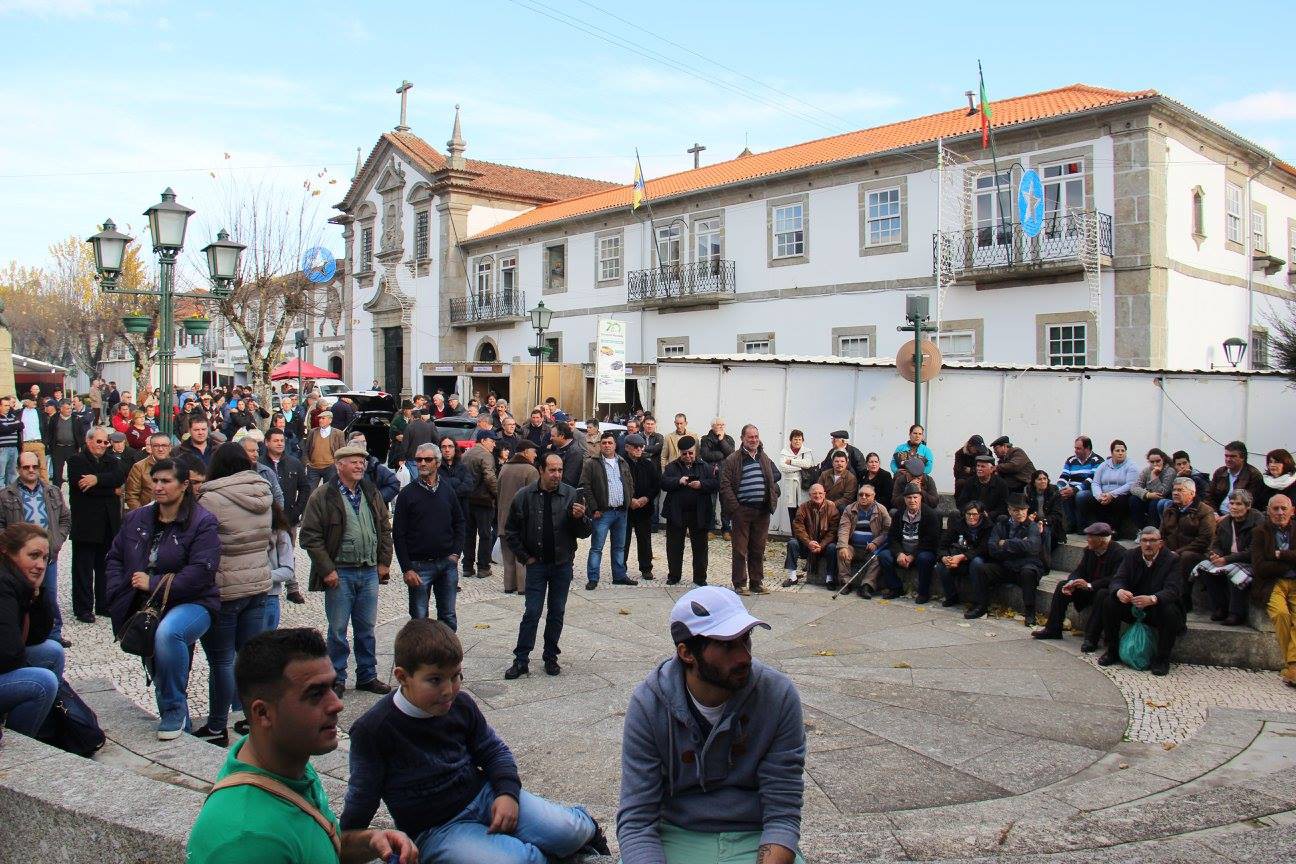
(491, 307)
(1003, 251)
(689, 284)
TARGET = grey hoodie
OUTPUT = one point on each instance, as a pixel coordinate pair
(746, 776)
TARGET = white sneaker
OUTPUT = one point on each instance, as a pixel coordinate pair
(169, 734)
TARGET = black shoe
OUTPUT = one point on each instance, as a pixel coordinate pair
(975, 612)
(922, 599)
(889, 594)
(65, 642)
(865, 590)
(242, 727)
(1219, 616)
(950, 601)
(373, 685)
(625, 581)
(1108, 659)
(590, 586)
(597, 844)
(1029, 616)
(830, 584)
(509, 591)
(211, 736)
(1045, 633)
(295, 597)
(467, 573)
(647, 577)
(1088, 647)
(552, 667)
(701, 584)
(670, 581)
(1160, 667)
(1230, 621)
(517, 670)
(339, 690)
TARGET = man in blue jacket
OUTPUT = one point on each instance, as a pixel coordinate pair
(714, 747)
(428, 536)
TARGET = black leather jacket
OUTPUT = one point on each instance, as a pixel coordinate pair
(523, 530)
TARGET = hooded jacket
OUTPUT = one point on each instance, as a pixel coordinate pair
(241, 505)
(745, 776)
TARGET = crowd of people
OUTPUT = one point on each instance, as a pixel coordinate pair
(203, 527)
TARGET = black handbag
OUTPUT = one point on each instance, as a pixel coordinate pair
(71, 724)
(136, 636)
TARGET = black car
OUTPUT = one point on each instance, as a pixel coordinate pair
(462, 429)
(374, 412)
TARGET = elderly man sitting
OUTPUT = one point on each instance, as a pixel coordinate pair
(814, 537)
(1227, 568)
(1087, 586)
(1013, 554)
(914, 473)
(911, 542)
(864, 526)
(1273, 564)
(1148, 579)
(1187, 528)
(1015, 467)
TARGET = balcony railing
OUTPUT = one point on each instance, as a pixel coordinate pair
(682, 284)
(1062, 244)
(491, 307)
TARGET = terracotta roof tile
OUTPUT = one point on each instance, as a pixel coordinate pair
(1007, 112)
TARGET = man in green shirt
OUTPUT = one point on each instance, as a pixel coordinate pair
(285, 680)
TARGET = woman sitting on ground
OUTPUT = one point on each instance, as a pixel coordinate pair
(1044, 504)
(31, 663)
(173, 535)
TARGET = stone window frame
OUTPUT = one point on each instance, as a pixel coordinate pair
(366, 216)
(1238, 245)
(554, 336)
(421, 198)
(1263, 210)
(868, 330)
(545, 287)
(744, 338)
(977, 171)
(500, 258)
(1050, 319)
(1085, 154)
(1291, 251)
(975, 326)
(882, 184)
(1260, 346)
(670, 223)
(706, 216)
(672, 342)
(477, 272)
(423, 215)
(774, 204)
(1197, 214)
(483, 341)
(619, 279)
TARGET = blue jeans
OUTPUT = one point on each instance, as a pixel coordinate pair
(179, 629)
(545, 831)
(796, 551)
(49, 590)
(439, 578)
(615, 520)
(9, 464)
(238, 621)
(271, 612)
(27, 694)
(924, 563)
(541, 579)
(354, 601)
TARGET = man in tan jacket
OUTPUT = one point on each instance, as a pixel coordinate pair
(671, 448)
(518, 472)
(139, 483)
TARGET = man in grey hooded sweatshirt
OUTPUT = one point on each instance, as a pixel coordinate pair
(714, 747)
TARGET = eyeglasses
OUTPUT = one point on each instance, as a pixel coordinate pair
(421, 459)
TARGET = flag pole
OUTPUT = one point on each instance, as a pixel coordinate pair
(994, 162)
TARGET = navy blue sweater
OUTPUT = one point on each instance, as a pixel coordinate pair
(425, 770)
(427, 525)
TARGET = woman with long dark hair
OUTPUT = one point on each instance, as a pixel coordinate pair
(31, 663)
(171, 536)
(1044, 504)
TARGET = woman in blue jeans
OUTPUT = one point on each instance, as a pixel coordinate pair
(240, 499)
(31, 663)
(172, 536)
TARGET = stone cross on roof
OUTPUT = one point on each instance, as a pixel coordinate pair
(696, 150)
(403, 90)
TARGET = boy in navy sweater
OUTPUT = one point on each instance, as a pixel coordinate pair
(447, 779)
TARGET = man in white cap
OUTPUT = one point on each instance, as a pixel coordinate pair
(714, 747)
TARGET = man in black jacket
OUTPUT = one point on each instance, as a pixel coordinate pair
(690, 485)
(420, 430)
(64, 432)
(964, 540)
(428, 536)
(296, 491)
(1012, 554)
(1148, 580)
(911, 542)
(987, 487)
(571, 452)
(647, 478)
(544, 523)
(93, 478)
(1087, 586)
(713, 448)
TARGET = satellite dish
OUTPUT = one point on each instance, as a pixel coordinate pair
(931, 360)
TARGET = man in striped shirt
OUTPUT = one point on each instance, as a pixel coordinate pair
(748, 495)
(1077, 471)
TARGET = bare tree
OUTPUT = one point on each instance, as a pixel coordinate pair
(1282, 340)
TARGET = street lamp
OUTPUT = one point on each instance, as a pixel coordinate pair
(1234, 350)
(541, 315)
(168, 221)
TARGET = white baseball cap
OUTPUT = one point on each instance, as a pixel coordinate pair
(711, 611)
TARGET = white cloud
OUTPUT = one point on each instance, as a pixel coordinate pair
(65, 8)
(1269, 106)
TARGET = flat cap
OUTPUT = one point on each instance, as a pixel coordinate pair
(1099, 529)
(634, 439)
(1017, 501)
(484, 434)
(687, 443)
(1002, 439)
(985, 457)
(526, 444)
(841, 433)
(114, 437)
(350, 450)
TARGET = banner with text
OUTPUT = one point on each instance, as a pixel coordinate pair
(609, 362)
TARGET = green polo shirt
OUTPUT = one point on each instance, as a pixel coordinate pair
(244, 824)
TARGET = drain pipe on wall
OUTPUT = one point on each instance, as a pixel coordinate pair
(1250, 260)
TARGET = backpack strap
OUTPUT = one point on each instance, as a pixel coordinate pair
(279, 790)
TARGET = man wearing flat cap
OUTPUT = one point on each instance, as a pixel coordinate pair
(346, 530)
(714, 747)
(647, 477)
(1015, 467)
(855, 461)
(1013, 556)
(987, 487)
(1087, 587)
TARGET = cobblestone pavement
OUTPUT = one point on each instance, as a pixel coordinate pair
(1160, 710)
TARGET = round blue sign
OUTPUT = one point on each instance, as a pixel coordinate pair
(1030, 203)
(318, 264)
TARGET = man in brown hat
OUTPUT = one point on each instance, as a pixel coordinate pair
(1087, 587)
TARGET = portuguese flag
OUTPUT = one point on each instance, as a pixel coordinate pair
(986, 113)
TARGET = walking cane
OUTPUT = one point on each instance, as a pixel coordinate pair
(859, 570)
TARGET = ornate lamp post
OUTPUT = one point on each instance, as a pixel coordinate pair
(541, 315)
(168, 220)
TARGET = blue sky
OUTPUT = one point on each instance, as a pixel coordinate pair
(108, 102)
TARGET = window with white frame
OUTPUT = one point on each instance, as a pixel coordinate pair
(957, 345)
(853, 346)
(556, 267)
(508, 276)
(789, 232)
(422, 234)
(482, 283)
(1067, 344)
(672, 349)
(992, 210)
(883, 218)
(706, 239)
(1259, 231)
(366, 248)
(668, 245)
(609, 258)
(756, 346)
(1259, 349)
(1233, 213)
(1063, 196)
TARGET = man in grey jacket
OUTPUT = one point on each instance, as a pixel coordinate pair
(714, 745)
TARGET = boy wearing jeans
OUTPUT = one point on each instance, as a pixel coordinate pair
(447, 779)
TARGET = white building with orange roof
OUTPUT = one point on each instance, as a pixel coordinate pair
(1163, 234)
